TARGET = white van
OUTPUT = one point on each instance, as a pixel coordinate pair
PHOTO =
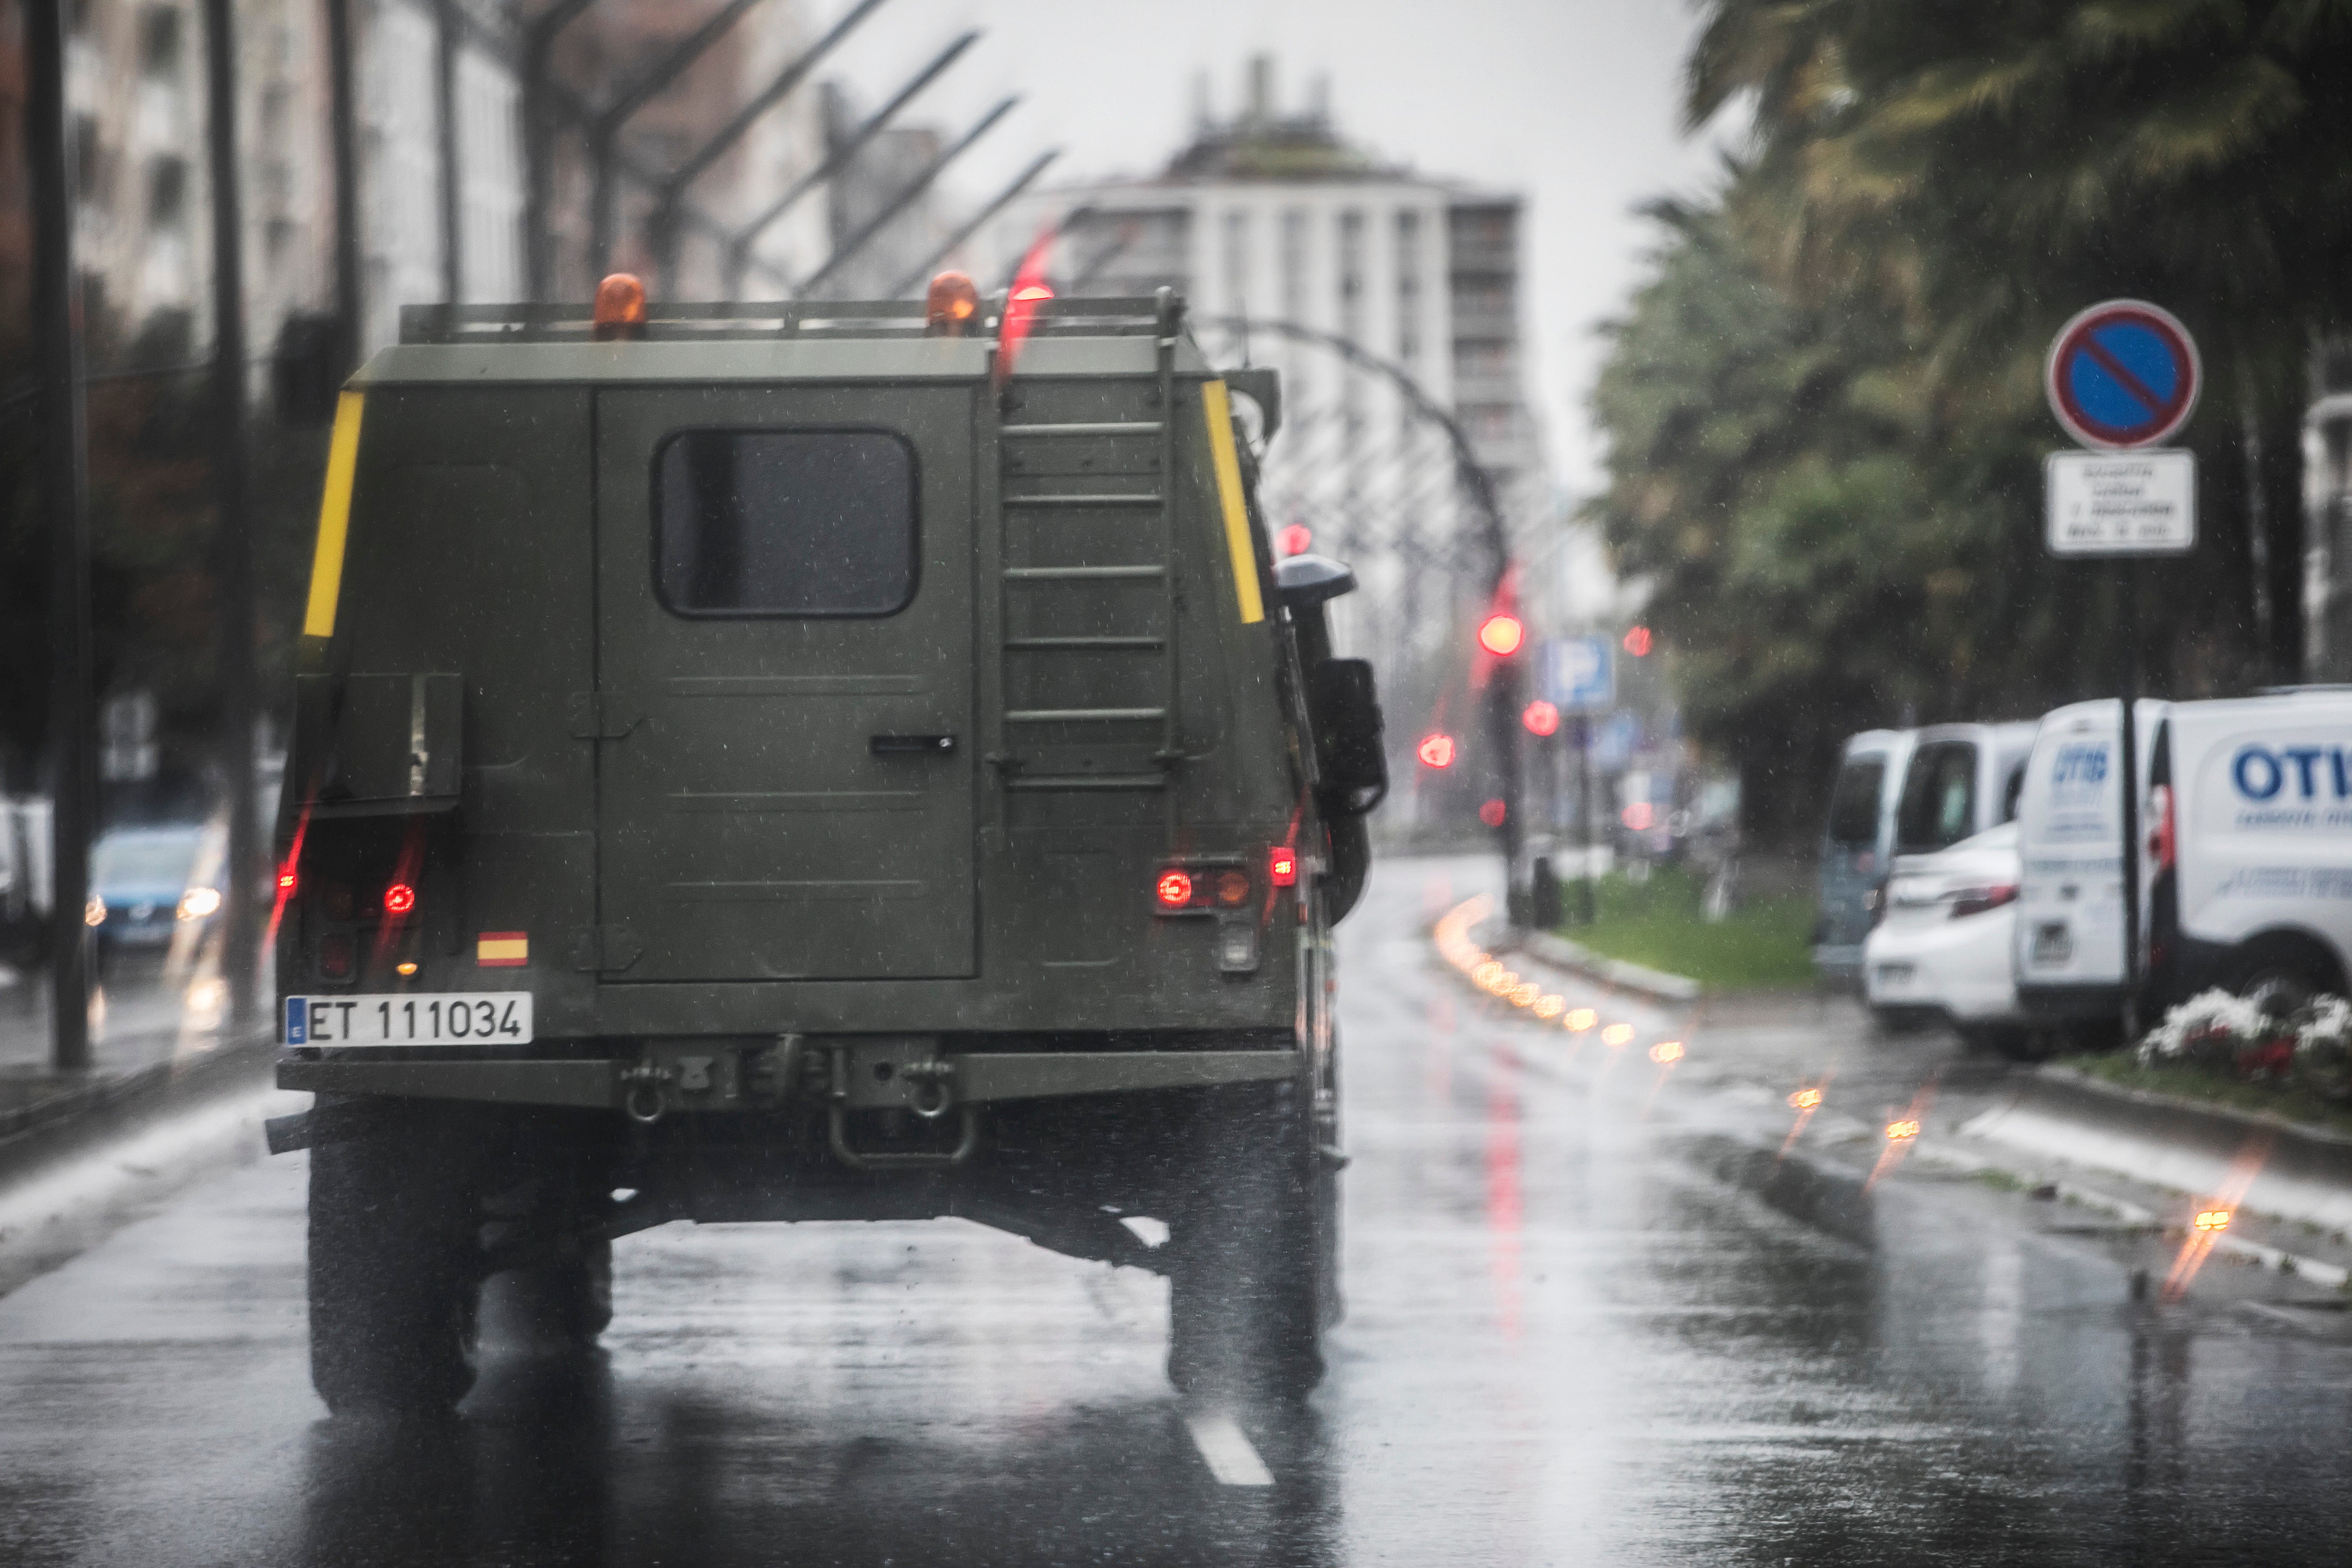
(2244, 860)
(1857, 847)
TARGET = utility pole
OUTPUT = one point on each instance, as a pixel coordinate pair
(56, 335)
(233, 549)
(445, 126)
(538, 140)
(343, 136)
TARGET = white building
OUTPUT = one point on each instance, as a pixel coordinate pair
(1271, 218)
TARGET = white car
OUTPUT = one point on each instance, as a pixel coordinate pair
(1942, 946)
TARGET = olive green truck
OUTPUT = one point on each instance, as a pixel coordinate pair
(804, 762)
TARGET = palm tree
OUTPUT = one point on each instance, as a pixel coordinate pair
(1997, 165)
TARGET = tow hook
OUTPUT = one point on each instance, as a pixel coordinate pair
(644, 1095)
(931, 1097)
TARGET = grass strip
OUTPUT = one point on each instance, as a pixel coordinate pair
(1658, 922)
(2296, 1105)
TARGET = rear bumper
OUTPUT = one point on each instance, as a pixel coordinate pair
(852, 1076)
(2059, 1003)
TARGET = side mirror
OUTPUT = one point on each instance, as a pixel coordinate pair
(1349, 753)
(1303, 581)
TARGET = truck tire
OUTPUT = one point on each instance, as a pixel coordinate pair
(575, 1293)
(394, 1272)
(1246, 1293)
(2282, 972)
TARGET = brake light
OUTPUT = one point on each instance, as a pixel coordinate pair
(1175, 888)
(285, 882)
(399, 899)
(1977, 901)
(2161, 840)
(1282, 865)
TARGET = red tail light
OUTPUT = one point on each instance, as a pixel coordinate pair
(1175, 888)
(399, 899)
(2161, 840)
(285, 882)
(1977, 901)
(1282, 865)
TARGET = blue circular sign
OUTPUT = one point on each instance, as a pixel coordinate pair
(2124, 373)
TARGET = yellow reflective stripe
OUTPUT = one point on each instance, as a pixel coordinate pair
(1220, 410)
(334, 518)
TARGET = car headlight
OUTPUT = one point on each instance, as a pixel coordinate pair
(198, 902)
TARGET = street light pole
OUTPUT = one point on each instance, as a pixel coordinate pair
(56, 335)
(241, 932)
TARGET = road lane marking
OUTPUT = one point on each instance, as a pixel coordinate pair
(1226, 1450)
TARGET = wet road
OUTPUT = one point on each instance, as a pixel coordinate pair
(1567, 1343)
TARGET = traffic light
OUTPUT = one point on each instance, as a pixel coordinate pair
(1294, 540)
(1541, 717)
(1436, 750)
(1637, 642)
(1501, 633)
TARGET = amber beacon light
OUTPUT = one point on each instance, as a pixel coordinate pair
(951, 305)
(620, 308)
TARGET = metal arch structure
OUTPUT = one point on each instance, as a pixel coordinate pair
(1475, 481)
(1498, 701)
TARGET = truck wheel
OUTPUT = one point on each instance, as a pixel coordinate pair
(2281, 973)
(393, 1273)
(576, 1293)
(1246, 1293)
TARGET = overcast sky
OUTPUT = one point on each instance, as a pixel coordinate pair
(1571, 104)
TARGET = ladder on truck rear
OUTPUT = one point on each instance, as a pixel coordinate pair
(1090, 585)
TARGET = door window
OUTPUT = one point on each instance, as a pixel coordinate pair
(1853, 803)
(784, 522)
(1939, 798)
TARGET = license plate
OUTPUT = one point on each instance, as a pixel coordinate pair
(442, 1018)
(2053, 944)
(1896, 973)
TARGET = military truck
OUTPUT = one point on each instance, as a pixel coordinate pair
(805, 763)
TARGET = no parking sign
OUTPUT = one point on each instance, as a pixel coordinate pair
(2124, 373)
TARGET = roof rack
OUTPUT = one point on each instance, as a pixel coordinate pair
(709, 321)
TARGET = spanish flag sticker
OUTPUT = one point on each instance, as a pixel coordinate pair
(502, 949)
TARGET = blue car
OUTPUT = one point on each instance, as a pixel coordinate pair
(142, 886)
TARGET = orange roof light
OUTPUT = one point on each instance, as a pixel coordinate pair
(620, 308)
(952, 306)
(1029, 294)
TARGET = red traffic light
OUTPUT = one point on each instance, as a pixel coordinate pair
(1493, 812)
(1501, 633)
(1296, 540)
(1637, 642)
(1436, 751)
(1541, 717)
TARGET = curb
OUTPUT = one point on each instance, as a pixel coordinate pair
(2316, 1143)
(34, 1133)
(1561, 953)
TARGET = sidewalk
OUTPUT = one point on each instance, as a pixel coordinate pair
(142, 1027)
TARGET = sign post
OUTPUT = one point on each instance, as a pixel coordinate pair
(2121, 377)
(1580, 677)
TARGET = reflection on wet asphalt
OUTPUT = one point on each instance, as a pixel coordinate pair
(1567, 1343)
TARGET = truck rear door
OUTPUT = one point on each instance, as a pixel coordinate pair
(784, 689)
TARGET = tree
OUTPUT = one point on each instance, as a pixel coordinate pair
(1995, 166)
(1827, 548)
